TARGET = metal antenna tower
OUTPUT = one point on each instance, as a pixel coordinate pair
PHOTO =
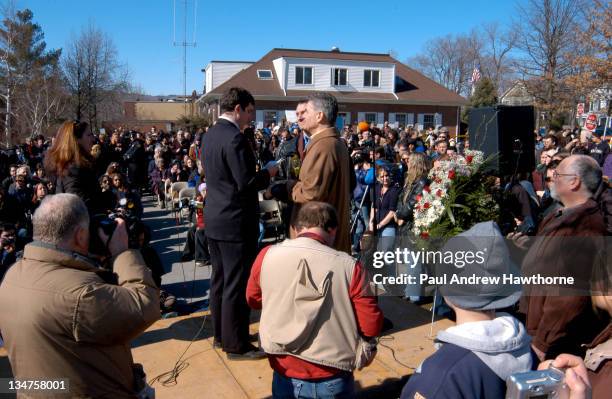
(184, 44)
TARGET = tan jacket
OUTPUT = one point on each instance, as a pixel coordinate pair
(307, 311)
(60, 319)
(326, 176)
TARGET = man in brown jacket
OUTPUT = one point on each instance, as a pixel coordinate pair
(61, 318)
(326, 173)
(567, 244)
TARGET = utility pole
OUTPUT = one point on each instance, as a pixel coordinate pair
(185, 43)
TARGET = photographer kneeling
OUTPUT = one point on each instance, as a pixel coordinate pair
(60, 317)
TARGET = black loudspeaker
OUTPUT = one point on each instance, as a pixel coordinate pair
(505, 131)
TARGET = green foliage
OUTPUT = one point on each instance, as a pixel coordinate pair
(24, 48)
(470, 200)
(485, 95)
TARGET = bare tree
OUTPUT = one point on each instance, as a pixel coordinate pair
(42, 106)
(95, 77)
(449, 60)
(495, 55)
(547, 41)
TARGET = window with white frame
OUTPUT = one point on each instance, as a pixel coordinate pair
(371, 78)
(303, 75)
(401, 119)
(340, 76)
(428, 121)
(264, 74)
(370, 117)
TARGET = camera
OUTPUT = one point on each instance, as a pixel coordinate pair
(108, 223)
(527, 229)
(541, 384)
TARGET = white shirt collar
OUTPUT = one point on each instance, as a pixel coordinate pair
(231, 120)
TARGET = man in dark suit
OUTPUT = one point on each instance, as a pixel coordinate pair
(232, 220)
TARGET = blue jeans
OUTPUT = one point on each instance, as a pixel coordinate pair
(338, 386)
(363, 217)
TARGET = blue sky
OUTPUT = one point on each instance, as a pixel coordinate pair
(245, 30)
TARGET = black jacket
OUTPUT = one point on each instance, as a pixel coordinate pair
(232, 206)
(405, 204)
(83, 182)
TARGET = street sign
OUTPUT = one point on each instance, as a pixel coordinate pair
(591, 122)
(580, 109)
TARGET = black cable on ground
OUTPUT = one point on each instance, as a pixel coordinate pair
(170, 378)
(392, 338)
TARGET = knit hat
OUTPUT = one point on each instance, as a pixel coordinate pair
(363, 126)
(484, 238)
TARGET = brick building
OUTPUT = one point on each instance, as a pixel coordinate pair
(370, 87)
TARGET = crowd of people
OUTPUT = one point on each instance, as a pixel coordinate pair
(334, 188)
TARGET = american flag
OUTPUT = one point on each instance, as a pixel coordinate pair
(475, 75)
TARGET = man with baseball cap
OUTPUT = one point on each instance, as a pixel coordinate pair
(476, 356)
(598, 148)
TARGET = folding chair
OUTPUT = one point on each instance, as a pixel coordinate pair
(175, 188)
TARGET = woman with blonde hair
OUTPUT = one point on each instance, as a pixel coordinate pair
(418, 167)
(69, 163)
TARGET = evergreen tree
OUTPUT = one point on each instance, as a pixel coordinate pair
(25, 66)
(485, 95)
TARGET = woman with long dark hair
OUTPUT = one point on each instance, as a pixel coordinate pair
(70, 164)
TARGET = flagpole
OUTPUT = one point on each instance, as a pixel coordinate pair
(473, 85)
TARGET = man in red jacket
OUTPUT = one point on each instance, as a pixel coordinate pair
(316, 309)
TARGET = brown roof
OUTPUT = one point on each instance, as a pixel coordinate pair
(415, 87)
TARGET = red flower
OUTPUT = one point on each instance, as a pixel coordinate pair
(469, 158)
(451, 174)
(439, 193)
(426, 205)
(425, 235)
(427, 189)
(419, 197)
(438, 180)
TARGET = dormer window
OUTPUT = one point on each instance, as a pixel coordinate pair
(264, 74)
(371, 78)
(303, 75)
(340, 77)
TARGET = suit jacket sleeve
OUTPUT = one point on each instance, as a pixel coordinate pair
(241, 163)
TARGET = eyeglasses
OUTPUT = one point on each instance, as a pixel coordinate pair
(556, 174)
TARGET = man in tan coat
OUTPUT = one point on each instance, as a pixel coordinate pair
(326, 173)
(61, 317)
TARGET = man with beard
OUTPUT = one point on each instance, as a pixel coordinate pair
(568, 242)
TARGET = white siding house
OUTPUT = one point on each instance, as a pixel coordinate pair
(219, 72)
(323, 75)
